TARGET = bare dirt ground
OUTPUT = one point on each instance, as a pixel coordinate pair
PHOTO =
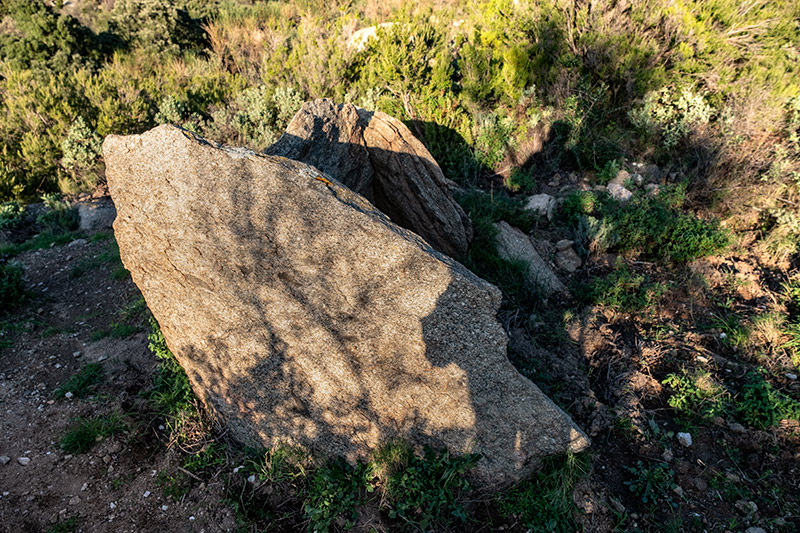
(115, 486)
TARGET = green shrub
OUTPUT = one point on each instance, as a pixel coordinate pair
(157, 26)
(761, 406)
(697, 396)
(423, 491)
(81, 149)
(59, 218)
(10, 214)
(12, 286)
(544, 503)
(621, 289)
(335, 490)
(652, 226)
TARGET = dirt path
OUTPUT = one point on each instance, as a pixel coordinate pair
(82, 310)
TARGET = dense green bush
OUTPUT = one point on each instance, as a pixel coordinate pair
(12, 286)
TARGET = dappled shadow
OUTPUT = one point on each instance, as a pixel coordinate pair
(317, 322)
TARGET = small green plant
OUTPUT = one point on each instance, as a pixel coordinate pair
(653, 483)
(172, 393)
(608, 172)
(697, 396)
(173, 487)
(66, 526)
(423, 491)
(281, 464)
(12, 286)
(335, 490)
(59, 218)
(761, 406)
(211, 456)
(10, 214)
(519, 180)
(82, 383)
(86, 432)
(732, 333)
(545, 502)
(622, 289)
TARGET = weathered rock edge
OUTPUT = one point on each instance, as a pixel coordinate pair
(302, 315)
(377, 156)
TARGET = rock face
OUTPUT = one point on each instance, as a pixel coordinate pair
(376, 156)
(96, 215)
(512, 244)
(303, 315)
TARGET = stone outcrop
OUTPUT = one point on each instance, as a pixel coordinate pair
(376, 156)
(96, 214)
(514, 245)
(303, 315)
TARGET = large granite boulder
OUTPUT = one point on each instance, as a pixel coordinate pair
(303, 315)
(376, 156)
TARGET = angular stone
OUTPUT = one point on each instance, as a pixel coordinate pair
(513, 245)
(541, 204)
(566, 258)
(378, 157)
(303, 315)
(97, 214)
(619, 193)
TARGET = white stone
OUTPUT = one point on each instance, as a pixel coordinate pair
(4, 459)
(24, 461)
(146, 493)
(112, 506)
(541, 204)
(619, 193)
(252, 478)
(791, 376)
(685, 439)
(67, 395)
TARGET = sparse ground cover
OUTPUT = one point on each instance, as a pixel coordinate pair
(683, 317)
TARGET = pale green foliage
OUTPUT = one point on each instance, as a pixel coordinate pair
(81, 147)
(287, 102)
(10, 214)
(671, 114)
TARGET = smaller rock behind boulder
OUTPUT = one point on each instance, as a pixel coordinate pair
(376, 156)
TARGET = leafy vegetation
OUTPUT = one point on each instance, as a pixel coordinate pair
(84, 433)
(545, 503)
(82, 383)
(12, 286)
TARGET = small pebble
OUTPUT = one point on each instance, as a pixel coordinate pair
(4, 459)
(84, 487)
(112, 506)
(791, 376)
(723, 335)
(106, 459)
(76, 354)
(146, 493)
(75, 500)
(68, 395)
(191, 519)
(24, 461)
(685, 439)
(164, 507)
(252, 478)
